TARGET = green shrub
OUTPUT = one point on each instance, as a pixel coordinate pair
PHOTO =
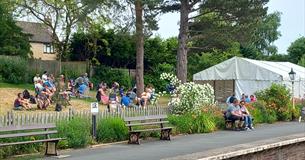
(193, 123)
(153, 76)
(109, 75)
(76, 131)
(111, 130)
(20, 149)
(261, 114)
(14, 70)
(71, 73)
(277, 98)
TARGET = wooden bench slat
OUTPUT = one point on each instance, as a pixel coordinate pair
(27, 134)
(27, 127)
(28, 142)
(128, 119)
(151, 129)
(146, 123)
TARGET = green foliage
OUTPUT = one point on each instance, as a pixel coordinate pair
(71, 72)
(301, 62)
(199, 62)
(111, 130)
(230, 21)
(261, 114)
(109, 75)
(13, 41)
(152, 77)
(296, 50)
(14, 70)
(193, 123)
(76, 131)
(20, 149)
(277, 99)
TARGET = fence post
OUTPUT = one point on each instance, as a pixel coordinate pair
(70, 113)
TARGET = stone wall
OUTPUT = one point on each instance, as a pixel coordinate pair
(290, 147)
(289, 152)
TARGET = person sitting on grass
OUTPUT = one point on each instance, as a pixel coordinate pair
(21, 103)
(81, 90)
(42, 101)
(247, 116)
(146, 96)
(126, 101)
(101, 95)
(38, 87)
(47, 91)
(234, 114)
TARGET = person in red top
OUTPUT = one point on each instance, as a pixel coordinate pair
(252, 98)
(21, 103)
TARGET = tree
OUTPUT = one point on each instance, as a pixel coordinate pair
(62, 17)
(296, 50)
(13, 41)
(266, 33)
(139, 47)
(239, 12)
(144, 18)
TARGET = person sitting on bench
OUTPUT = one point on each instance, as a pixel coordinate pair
(233, 113)
(247, 116)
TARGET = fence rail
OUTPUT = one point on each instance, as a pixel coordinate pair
(14, 118)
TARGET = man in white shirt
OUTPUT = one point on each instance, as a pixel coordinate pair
(44, 77)
(36, 78)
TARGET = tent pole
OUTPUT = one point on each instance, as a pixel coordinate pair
(234, 87)
(214, 86)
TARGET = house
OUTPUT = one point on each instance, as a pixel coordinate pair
(241, 75)
(40, 40)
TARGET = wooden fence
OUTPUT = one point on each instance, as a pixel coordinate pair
(14, 118)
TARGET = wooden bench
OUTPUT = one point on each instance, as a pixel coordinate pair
(159, 121)
(44, 130)
(229, 124)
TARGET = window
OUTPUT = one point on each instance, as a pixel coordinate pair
(48, 49)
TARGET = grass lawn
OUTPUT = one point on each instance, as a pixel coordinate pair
(9, 93)
(20, 86)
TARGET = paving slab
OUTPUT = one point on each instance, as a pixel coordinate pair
(187, 144)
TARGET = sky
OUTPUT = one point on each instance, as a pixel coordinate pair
(292, 22)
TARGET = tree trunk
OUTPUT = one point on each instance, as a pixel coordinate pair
(182, 42)
(140, 47)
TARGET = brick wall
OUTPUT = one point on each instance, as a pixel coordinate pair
(294, 151)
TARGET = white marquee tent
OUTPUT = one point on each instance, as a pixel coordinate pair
(241, 75)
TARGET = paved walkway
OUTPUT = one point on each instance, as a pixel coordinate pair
(181, 145)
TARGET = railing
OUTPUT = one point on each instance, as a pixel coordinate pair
(27, 118)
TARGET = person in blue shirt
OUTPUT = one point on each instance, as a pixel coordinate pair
(126, 101)
(247, 99)
(82, 88)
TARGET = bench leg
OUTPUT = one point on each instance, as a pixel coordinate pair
(229, 125)
(51, 148)
(134, 138)
(165, 134)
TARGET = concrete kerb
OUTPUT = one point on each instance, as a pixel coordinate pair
(242, 149)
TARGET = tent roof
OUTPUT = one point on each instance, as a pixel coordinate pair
(249, 69)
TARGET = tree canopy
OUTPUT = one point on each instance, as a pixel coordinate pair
(13, 41)
(296, 50)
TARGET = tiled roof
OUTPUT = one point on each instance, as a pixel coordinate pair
(38, 31)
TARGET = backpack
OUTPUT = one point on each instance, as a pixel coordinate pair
(58, 107)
